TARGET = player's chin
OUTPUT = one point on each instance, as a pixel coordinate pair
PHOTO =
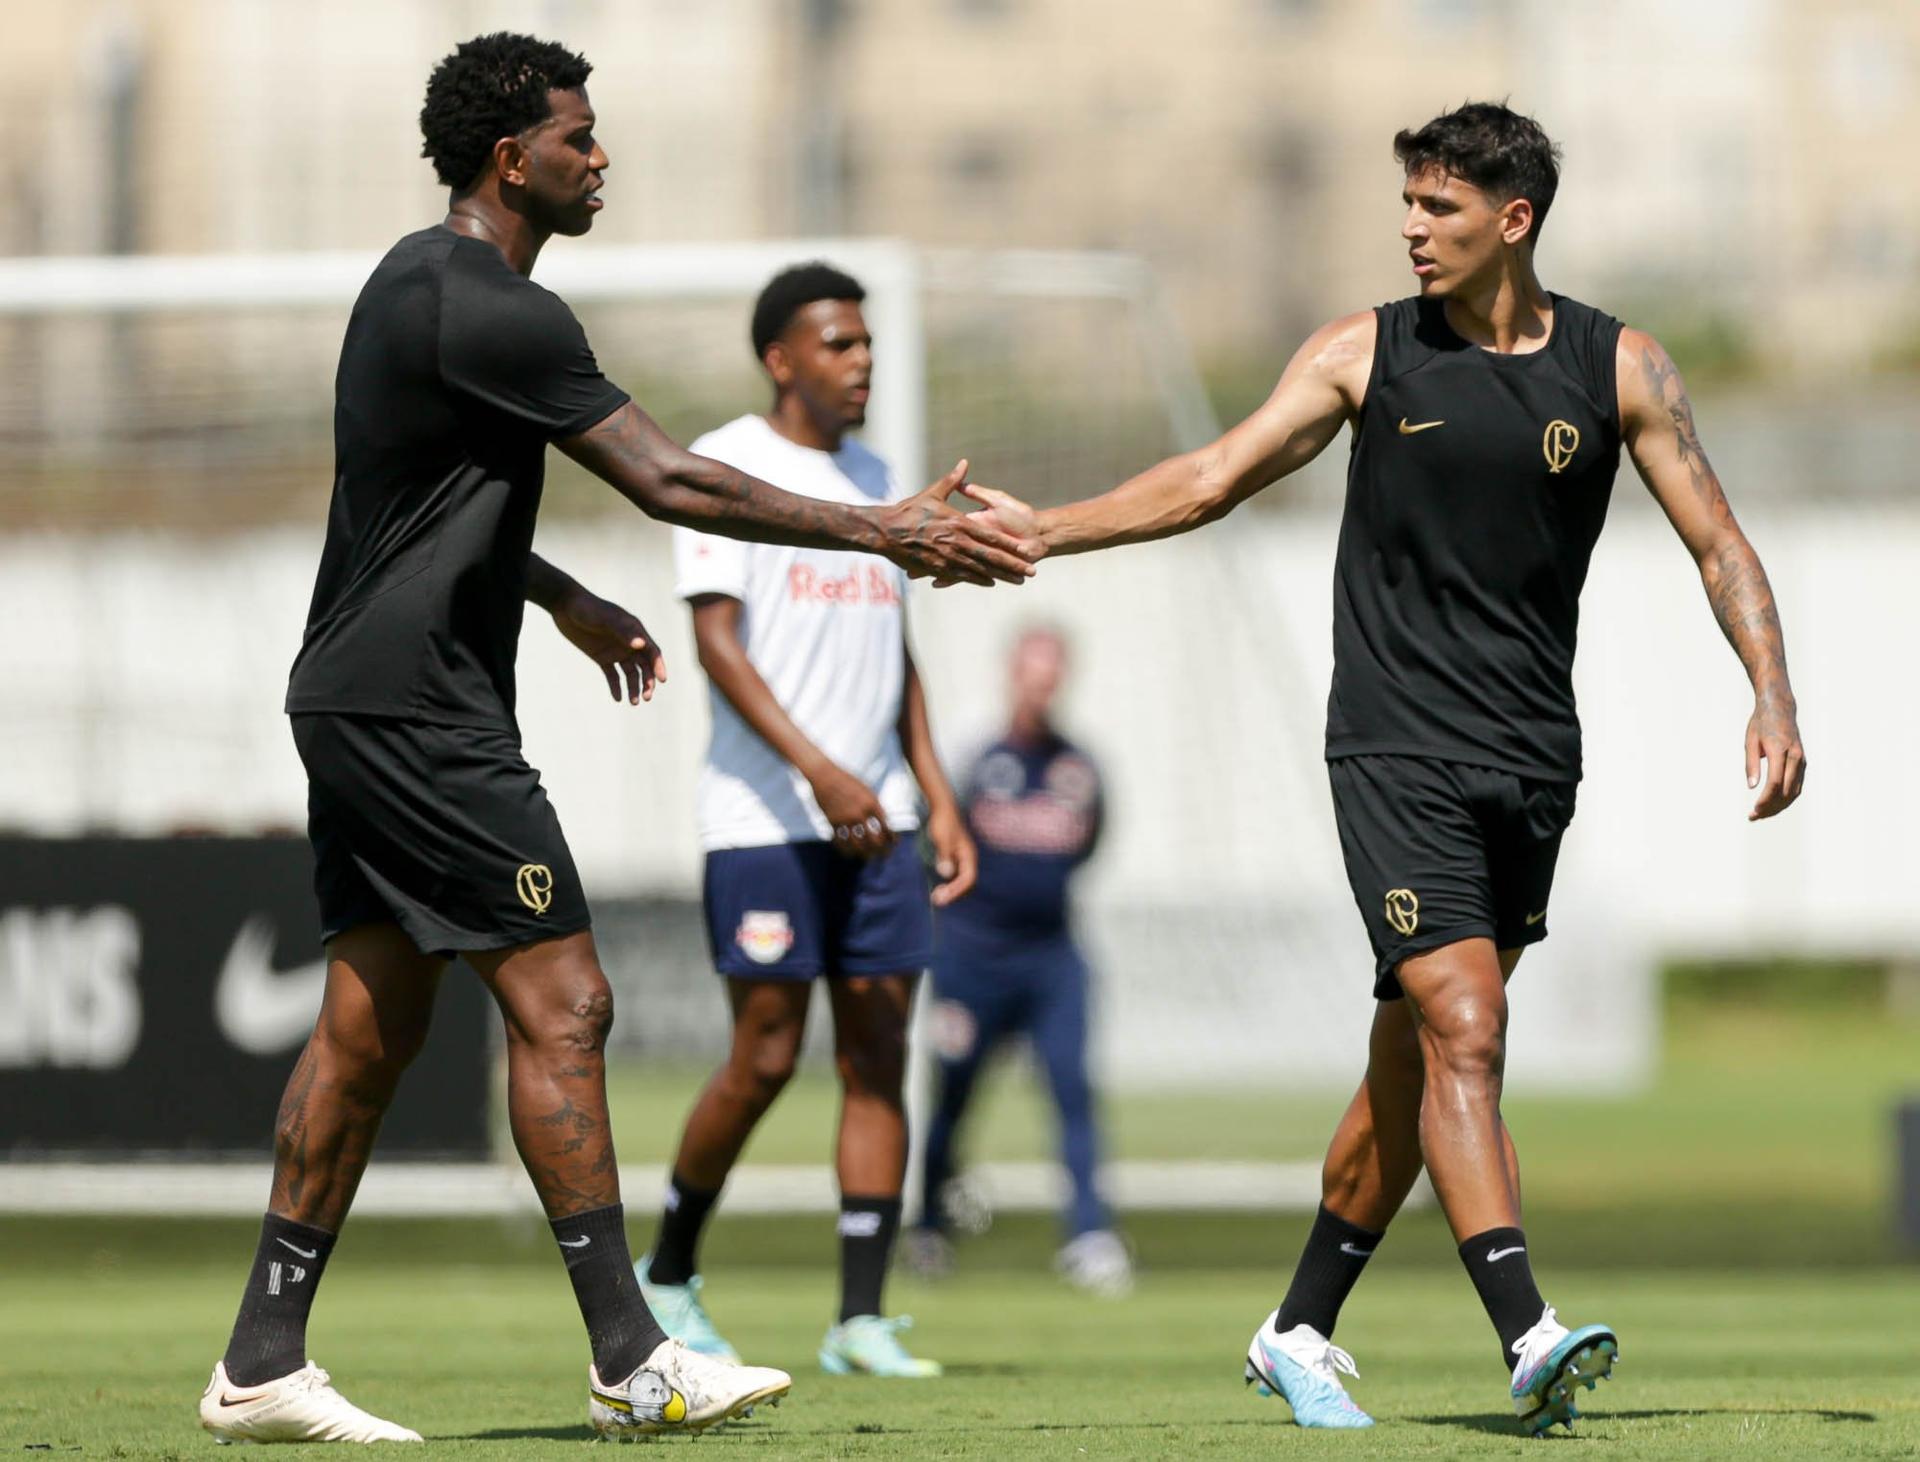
(577, 220)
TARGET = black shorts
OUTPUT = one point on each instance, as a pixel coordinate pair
(1439, 851)
(444, 830)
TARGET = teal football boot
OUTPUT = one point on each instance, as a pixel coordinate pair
(1304, 1367)
(678, 1309)
(1554, 1363)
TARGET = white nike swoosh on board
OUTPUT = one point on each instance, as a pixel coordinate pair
(303, 1253)
(262, 1010)
(1495, 1255)
(581, 1243)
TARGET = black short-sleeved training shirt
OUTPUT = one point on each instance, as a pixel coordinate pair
(455, 373)
(1476, 490)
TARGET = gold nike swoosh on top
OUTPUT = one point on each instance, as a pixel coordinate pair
(1407, 431)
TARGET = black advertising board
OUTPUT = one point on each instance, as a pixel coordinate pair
(155, 992)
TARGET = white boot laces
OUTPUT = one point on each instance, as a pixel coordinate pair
(1546, 1323)
(1333, 1359)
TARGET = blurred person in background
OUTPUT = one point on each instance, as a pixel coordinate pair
(1487, 417)
(432, 836)
(1006, 965)
(807, 807)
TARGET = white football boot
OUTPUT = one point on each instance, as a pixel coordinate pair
(1098, 1262)
(1554, 1363)
(677, 1389)
(301, 1407)
(1304, 1367)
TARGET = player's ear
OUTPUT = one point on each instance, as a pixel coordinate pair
(779, 363)
(510, 161)
(1516, 221)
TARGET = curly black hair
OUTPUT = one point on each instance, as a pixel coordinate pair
(791, 291)
(1502, 153)
(492, 86)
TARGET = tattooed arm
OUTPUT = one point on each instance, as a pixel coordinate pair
(1319, 392)
(1656, 423)
(924, 534)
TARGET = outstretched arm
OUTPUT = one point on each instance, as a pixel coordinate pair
(923, 534)
(1656, 422)
(605, 633)
(1319, 392)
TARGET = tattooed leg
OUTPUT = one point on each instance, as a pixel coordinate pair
(558, 1009)
(373, 1021)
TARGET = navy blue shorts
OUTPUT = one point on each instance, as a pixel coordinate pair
(797, 910)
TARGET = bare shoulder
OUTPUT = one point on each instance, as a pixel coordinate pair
(1339, 353)
(1339, 343)
(1648, 381)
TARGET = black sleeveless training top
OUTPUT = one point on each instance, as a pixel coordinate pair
(1477, 486)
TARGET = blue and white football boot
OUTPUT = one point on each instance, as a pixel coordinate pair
(678, 1309)
(1554, 1363)
(1305, 1367)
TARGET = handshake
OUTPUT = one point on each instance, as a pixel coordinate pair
(932, 539)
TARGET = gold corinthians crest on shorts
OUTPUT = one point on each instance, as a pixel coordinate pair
(1560, 443)
(534, 884)
(1403, 910)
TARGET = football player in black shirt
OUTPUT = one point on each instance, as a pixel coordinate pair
(1487, 418)
(432, 836)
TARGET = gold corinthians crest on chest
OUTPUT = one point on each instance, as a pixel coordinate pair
(1561, 441)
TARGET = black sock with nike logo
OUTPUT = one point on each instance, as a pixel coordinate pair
(1329, 1268)
(620, 1327)
(868, 1227)
(1497, 1264)
(270, 1335)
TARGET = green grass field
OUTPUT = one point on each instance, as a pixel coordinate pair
(1732, 1223)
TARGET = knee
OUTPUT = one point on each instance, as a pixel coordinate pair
(364, 1061)
(1468, 1039)
(761, 1068)
(574, 1019)
(876, 1067)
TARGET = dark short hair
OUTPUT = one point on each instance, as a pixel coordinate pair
(791, 291)
(492, 86)
(1491, 146)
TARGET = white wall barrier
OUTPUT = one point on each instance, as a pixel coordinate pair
(143, 678)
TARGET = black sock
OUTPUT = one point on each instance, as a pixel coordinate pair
(867, 1230)
(270, 1335)
(1329, 1268)
(620, 1327)
(1497, 1264)
(677, 1245)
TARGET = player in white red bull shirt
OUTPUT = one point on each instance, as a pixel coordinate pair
(807, 807)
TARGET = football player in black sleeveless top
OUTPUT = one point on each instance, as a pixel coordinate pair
(1487, 417)
(432, 835)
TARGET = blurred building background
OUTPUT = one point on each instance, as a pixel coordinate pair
(1738, 170)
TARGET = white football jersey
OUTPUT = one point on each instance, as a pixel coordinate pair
(825, 629)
